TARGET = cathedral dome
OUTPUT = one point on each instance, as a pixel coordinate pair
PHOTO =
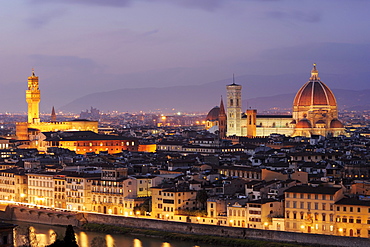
(314, 92)
(335, 123)
(213, 114)
(303, 123)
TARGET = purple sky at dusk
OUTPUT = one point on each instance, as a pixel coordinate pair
(79, 47)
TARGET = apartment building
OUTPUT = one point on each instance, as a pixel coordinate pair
(168, 202)
(352, 217)
(41, 188)
(311, 209)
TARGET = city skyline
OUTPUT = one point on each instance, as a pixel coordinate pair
(82, 47)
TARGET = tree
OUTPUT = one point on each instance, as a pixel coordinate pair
(98, 242)
(202, 197)
(70, 238)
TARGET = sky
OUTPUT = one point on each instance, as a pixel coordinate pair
(79, 47)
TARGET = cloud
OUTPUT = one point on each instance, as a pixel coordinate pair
(42, 19)
(208, 5)
(64, 63)
(311, 17)
(325, 51)
(112, 3)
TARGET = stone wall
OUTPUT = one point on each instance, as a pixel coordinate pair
(41, 216)
(63, 218)
(235, 232)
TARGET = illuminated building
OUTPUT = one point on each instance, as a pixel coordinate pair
(216, 120)
(83, 142)
(29, 130)
(315, 109)
(314, 113)
(234, 109)
(168, 202)
(60, 191)
(311, 209)
(41, 188)
(13, 185)
(352, 217)
(254, 214)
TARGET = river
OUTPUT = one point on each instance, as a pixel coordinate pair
(46, 234)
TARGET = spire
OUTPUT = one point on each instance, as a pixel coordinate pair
(222, 108)
(314, 73)
(33, 72)
(53, 117)
(222, 120)
(233, 79)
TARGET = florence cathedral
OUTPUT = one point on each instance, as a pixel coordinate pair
(315, 112)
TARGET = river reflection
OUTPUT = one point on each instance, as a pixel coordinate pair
(43, 235)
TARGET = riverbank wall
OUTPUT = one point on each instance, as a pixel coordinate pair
(65, 218)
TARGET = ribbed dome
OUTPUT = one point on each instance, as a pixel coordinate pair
(314, 92)
(213, 114)
(335, 123)
(303, 123)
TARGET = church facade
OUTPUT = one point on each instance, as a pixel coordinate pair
(29, 131)
(314, 112)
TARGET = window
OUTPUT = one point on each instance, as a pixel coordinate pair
(358, 221)
(351, 209)
(294, 204)
(302, 204)
(324, 206)
(316, 196)
(344, 209)
(358, 210)
(308, 196)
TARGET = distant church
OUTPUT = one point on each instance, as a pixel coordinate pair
(28, 131)
(314, 113)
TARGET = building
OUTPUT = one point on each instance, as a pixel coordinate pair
(168, 202)
(28, 131)
(314, 111)
(352, 217)
(83, 142)
(311, 209)
(41, 188)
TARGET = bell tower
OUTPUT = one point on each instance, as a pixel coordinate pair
(33, 99)
(234, 109)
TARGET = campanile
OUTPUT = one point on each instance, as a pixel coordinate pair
(33, 98)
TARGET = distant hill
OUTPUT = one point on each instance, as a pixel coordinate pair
(201, 98)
